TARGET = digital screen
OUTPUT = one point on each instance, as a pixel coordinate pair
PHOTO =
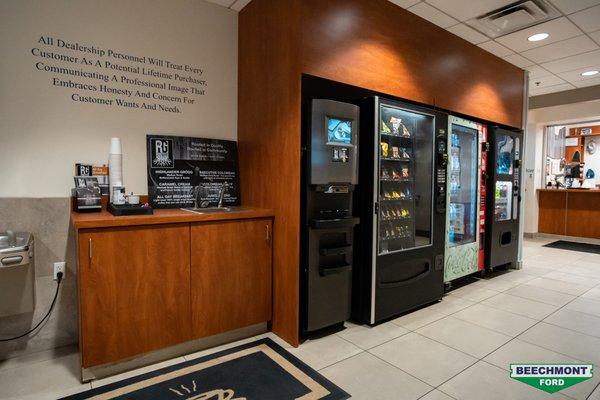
(339, 130)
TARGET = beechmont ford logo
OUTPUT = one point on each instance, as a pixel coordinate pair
(551, 378)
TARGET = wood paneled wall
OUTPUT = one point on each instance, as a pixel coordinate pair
(269, 141)
(377, 45)
(367, 43)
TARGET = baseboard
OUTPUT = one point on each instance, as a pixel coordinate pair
(105, 370)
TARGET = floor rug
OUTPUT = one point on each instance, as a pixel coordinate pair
(575, 246)
(261, 370)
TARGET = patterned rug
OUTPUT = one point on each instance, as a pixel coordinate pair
(261, 370)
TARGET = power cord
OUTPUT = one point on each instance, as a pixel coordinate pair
(59, 279)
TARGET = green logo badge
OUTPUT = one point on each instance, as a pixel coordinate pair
(551, 378)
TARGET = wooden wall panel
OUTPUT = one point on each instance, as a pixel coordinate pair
(372, 44)
(552, 211)
(377, 45)
(269, 141)
(583, 214)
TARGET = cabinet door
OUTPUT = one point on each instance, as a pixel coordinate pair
(231, 275)
(134, 291)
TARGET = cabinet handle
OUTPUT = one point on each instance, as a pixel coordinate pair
(268, 234)
(90, 248)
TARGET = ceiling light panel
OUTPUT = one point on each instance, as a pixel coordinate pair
(551, 89)
(571, 6)
(495, 48)
(239, 4)
(545, 81)
(519, 61)
(404, 3)
(578, 61)
(429, 13)
(558, 29)
(467, 9)
(468, 33)
(588, 20)
(535, 71)
(587, 82)
(565, 48)
(576, 75)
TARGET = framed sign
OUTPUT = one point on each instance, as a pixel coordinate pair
(186, 172)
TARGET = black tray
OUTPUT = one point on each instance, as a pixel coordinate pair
(129, 209)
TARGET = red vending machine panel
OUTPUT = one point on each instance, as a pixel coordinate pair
(483, 140)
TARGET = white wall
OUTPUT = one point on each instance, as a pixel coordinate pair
(43, 132)
(534, 154)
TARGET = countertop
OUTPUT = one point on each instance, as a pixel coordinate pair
(570, 190)
(104, 219)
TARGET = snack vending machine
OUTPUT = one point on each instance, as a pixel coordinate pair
(330, 163)
(504, 197)
(402, 206)
(463, 222)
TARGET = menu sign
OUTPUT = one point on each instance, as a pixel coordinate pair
(191, 172)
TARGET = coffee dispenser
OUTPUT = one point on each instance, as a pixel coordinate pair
(329, 178)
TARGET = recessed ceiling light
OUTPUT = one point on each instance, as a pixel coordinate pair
(537, 37)
(589, 73)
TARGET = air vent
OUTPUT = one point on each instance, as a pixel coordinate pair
(514, 17)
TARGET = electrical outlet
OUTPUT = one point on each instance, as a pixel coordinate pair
(59, 267)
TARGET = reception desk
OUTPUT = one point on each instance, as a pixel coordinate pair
(569, 212)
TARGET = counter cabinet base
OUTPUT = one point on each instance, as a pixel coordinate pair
(153, 357)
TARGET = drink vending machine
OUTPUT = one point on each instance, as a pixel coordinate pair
(465, 219)
(504, 197)
(327, 237)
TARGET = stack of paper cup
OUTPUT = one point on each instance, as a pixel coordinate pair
(115, 165)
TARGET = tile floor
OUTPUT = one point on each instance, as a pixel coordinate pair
(459, 348)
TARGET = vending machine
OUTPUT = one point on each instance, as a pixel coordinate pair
(464, 227)
(330, 175)
(402, 206)
(504, 197)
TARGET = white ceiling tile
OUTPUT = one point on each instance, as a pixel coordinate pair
(495, 48)
(558, 29)
(545, 81)
(570, 6)
(551, 89)
(239, 4)
(595, 36)
(574, 62)
(574, 76)
(432, 15)
(405, 3)
(565, 48)
(519, 61)
(468, 33)
(588, 20)
(535, 71)
(587, 82)
(224, 3)
(467, 9)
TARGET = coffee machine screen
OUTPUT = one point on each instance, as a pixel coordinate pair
(334, 135)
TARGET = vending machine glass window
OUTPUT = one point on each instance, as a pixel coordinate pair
(463, 185)
(405, 174)
(503, 200)
(505, 151)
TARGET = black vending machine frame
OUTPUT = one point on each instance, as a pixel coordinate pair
(502, 237)
(375, 301)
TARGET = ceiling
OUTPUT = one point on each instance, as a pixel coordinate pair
(555, 64)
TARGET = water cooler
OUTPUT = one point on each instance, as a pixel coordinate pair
(330, 163)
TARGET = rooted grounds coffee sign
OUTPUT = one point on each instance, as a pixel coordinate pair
(551, 378)
(191, 172)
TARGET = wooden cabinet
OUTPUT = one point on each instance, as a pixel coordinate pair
(230, 275)
(151, 282)
(134, 290)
